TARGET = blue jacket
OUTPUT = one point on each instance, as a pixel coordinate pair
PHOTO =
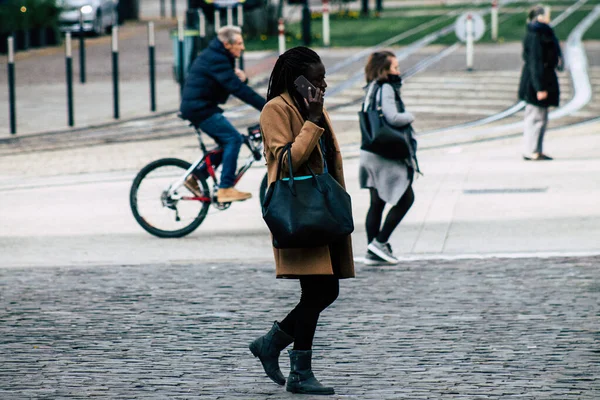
(210, 81)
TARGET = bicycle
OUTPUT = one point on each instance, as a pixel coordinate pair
(164, 207)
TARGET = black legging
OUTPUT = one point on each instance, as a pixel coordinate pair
(393, 218)
(318, 292)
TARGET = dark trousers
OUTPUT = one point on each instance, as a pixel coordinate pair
(395, 215)
(225, 134)
(318, 292)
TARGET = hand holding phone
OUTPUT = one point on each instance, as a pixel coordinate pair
(313, 98)
(304, 87)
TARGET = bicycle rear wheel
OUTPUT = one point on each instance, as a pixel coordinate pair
(159, 213)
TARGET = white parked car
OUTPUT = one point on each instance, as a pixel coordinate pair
(98, 15)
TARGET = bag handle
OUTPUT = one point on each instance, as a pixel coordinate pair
(370, 96)
(380, 98)
(288, 149)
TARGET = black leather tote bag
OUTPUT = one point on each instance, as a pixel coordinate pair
(307, 211)
(381, 138)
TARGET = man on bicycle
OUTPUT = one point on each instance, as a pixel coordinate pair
(210, 80)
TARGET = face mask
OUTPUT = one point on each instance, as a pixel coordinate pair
(395, 79)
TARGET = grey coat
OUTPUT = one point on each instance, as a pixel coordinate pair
(390, 178)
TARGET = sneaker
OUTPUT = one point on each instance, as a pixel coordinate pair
(383, 250)
(373, 259)
(537, 157)
(227, 195)
(192, 185)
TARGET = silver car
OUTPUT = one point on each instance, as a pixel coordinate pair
(98, 15)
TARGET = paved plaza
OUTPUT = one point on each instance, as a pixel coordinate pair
(465, 329)
(497, 295)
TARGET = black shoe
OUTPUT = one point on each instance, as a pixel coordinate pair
(267, 349)
(543, 157)
(301, 379)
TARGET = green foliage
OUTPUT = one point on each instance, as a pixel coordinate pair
(18, 15)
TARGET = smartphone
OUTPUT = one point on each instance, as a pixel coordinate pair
(303, 86)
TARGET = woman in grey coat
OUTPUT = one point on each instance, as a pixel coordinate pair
(389, 181)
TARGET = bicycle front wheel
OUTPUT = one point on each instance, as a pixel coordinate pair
(156, 210)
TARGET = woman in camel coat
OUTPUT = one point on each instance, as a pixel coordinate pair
(289, 117)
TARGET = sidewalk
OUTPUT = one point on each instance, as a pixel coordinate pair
(473, 200)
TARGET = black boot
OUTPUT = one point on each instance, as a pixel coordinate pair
(267, 349)
(301, 379)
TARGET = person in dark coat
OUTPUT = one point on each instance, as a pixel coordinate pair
(539, 84)
(210, 80)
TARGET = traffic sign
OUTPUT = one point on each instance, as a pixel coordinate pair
(461, 26)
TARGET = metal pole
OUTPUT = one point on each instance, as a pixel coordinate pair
(81, 49)
(163, 9)
(326, 30)
(12, 105)
(306, 20)
(240, 23)
(364, 8)
(69, 71)
(230, 16)
(173, 8)
(240, 15)
(115, 64)
(201, 29)
(281, 29)
(469, 42)
(152, 62)
(217, 19)
(181, 55)
(494, 20)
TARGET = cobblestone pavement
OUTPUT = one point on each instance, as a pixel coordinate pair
(461, 329)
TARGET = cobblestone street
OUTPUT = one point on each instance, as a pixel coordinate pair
(459, 329)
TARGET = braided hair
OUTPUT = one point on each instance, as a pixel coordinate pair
(289, 66)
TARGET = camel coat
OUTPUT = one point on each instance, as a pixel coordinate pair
(281, 123)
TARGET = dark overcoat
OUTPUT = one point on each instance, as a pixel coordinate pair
(542, 54)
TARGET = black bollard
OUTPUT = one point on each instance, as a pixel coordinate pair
(81, 49)
(240, 22)
(306, 31)
(364, 9)
(69, 65)
(115, 68)
(173, 8)
(152, 66)
(12, 106)
(181, 55)
(201, 30)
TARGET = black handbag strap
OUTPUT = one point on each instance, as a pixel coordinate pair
(287, 149)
